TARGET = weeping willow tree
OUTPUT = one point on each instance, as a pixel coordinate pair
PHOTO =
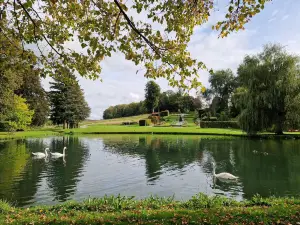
(269, 93)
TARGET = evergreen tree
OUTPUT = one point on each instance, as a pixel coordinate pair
(68, 106)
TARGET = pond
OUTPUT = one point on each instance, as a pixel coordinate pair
(141, 165)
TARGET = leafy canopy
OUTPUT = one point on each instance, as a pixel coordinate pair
(152, 94)
(103, 27)
(270, 89)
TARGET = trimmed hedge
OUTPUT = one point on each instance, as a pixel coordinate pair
(209, 118)
(164, 113)
(129, 123)
(219, 124)
(145, 122)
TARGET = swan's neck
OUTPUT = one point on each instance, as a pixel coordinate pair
(214, 171)
(64, 151)
(46, 152)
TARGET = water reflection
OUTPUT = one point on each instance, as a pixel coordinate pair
(23, 178)
(146, 164)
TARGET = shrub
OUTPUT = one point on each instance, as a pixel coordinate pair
(164, 113)
(209, 118)
(145, 122)
(223, 116)
(155, 119)
(219, 124)
(129, 123)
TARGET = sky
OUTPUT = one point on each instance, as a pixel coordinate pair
(279, 22)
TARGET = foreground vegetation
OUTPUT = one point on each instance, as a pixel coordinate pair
(200, 209)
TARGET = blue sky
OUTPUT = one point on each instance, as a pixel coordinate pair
(279, 22)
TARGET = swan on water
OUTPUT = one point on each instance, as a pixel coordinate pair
(41, 154)
(223, 176)
(58, 154)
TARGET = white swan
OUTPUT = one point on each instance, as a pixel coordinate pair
(41, 154)
(58, 154)
(223, 176)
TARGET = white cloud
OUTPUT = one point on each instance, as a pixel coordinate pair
(134, 96)
(285, 17)
(271, 20)
(275, 12)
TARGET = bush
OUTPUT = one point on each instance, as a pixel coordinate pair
(164, 113)
(209, 118)
(219, 124)
(154, 119)
(145, 122)
(129, 123)
(4, 126)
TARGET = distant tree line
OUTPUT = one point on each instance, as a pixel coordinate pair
(173, 101)
(24, 102)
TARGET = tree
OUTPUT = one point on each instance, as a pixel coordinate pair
(19, 116)
(14, 65)
(68, 106)
(104, 27)
(271, 84)
(222, 83)
(35, 96)
(152, 93)
(132, 109)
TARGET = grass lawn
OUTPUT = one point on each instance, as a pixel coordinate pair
(31, 133)
(200, 209)
(117, 121)
(102, 129)
(114, 126)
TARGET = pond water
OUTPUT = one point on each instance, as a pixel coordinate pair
(141, 165)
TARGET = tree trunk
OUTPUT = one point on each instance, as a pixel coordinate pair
(279, 123)
(64, 125)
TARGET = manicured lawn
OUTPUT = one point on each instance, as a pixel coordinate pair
(31, 133)
(201, 209)
(155, 130)
(135, 129)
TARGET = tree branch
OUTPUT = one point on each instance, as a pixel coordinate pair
(35, 26)
(115, 29)
(18, 26)
(131, 24)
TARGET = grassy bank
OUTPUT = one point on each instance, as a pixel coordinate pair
(200, 209)
(135, 129)
(31, 133)
(102, 129)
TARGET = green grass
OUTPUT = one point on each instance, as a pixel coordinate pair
(31, 133)
(116, 121)
(200, 209)
(102, 129)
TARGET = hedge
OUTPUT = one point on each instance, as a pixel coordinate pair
(209, 118)
(164, 113)
(145, 122)
(219, 124)
(129, 123)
